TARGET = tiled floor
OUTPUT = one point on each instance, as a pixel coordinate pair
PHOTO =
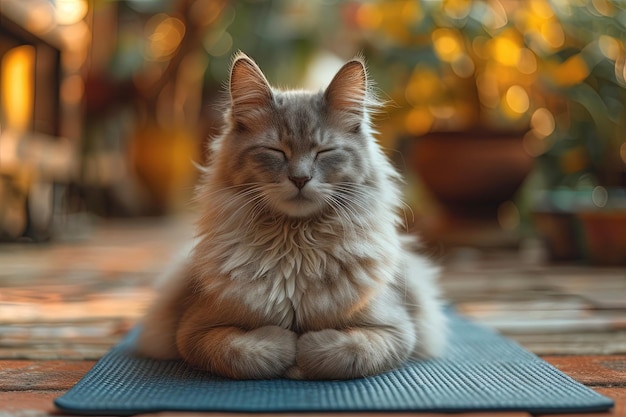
(64, 304)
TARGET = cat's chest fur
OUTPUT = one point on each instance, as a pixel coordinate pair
(297, 277)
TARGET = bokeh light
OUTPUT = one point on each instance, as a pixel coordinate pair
(517, 99)
(542, 122)
(164, 33)
(68, 12)
(17, 74)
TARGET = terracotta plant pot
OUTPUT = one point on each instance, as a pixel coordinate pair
(162, 159)
(471, 173)
(560, 234)
(605, 236)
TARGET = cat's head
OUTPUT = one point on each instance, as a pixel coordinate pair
(299, 153)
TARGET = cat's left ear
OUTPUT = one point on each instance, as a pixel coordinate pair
(250, 93)
(347, 93)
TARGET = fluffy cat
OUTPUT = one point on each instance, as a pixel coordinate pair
(299, 269)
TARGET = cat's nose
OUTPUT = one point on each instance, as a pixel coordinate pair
(299, 182)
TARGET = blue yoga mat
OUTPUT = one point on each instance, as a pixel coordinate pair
(480, 371)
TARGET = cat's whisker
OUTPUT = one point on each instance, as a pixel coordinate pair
(342, 216)
(404, 207)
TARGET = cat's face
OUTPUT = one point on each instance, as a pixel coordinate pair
(298, 153)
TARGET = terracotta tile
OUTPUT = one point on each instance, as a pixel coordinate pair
(491, 414)
(27, 403)
(593, 370)
(41, 375)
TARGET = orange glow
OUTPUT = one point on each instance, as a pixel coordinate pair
(527, 63)
(553, 34)
(447, 44)
(393, 18)
(164, 34)
(68, 12)
(463, 66)
(488, 91)
(457, 9)
(622, 152)
(419, 121)
(542, 122)
(541, 8)
(17, 68)
(40, 18)
(505, 50)
(423, 86)
(571, 72)
(368, 16)
(517, 99)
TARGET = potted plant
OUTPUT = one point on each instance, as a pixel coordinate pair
(526, 69)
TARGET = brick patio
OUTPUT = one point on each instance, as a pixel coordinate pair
(64, 304)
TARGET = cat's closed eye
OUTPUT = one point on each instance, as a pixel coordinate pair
(275, 151)
(325, 151)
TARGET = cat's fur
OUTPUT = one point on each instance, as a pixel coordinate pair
(299, 269)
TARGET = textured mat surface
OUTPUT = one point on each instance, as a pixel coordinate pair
(480, 371)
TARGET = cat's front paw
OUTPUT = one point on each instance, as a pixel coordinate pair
(263, 353)
(341, 354)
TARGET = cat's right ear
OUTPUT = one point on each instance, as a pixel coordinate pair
(250, 93)
(346, 95)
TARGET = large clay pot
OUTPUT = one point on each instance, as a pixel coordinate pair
(471, 173)
(605, 236)
(162, 158)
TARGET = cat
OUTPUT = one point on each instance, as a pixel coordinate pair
(299, 268)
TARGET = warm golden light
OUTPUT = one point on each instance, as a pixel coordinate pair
(542, 122)
(622, 152)
(505, 50)
(368, 16)
(423, 86)
(164, 34)
(517, 99)
(573, 71)
(419, 121)
(495, 17)
(447, 45)
(463, 66)
(68, 12)
(527, 63)
(541, 8)
(457, 9)
(553, 34)
(40, 18)
(488, 91)
(17, 91)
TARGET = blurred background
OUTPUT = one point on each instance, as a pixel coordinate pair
(507, 117)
